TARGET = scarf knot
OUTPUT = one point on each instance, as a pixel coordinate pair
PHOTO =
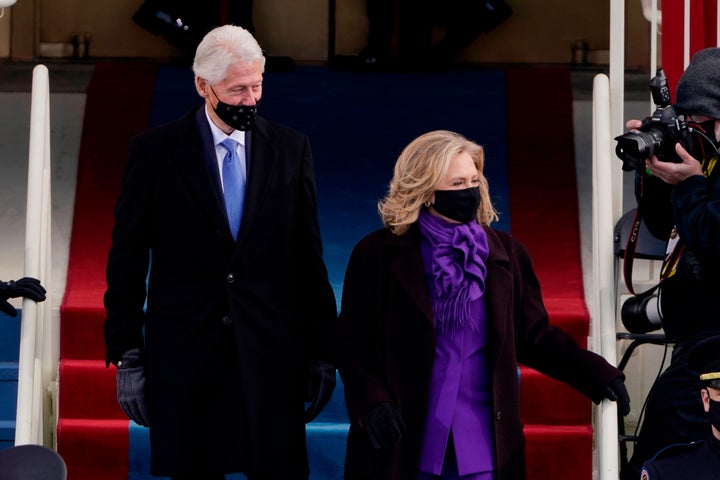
(457, 270)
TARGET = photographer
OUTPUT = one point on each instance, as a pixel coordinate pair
(679, 199)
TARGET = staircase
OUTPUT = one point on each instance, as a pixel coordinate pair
(94, 437)
(9, 353)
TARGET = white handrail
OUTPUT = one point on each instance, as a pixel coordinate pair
(603, 304)
(39, 335)
(608, 122)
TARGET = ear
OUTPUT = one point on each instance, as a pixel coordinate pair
(202, 86)
(705, 399)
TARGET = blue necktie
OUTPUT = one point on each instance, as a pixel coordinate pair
(233, 173)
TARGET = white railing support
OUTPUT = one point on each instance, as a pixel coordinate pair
(39, 335)
(603, 304)
(617, 95)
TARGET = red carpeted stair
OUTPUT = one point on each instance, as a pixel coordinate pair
(544, 216)
(92, 430)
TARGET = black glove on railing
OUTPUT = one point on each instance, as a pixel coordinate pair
(384, 425)
(321, 384)
(25, 287)
(131, 387)
(617, 392)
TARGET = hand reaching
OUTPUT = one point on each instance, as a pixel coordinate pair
(25, 287)
(616, 392)
(384, 425)
(321, 384)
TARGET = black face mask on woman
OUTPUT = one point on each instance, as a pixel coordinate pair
(458, 205)
(239, 117)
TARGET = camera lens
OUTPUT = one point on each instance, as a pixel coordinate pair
(633, 148)
(641, 314)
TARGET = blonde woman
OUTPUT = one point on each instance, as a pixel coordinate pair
(437, 310)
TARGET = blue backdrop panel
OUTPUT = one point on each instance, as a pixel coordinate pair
(358, 123)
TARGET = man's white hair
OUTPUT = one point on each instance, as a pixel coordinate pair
(223, 46)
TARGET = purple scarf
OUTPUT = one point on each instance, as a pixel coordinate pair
(456, 269)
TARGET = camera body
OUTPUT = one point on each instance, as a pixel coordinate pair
(658, 133)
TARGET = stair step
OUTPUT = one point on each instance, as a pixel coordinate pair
(7, 434)
(8, 371)
(10, 337)
(546, 401)
(558, 452)
(563, 313)
(75, 397)
(94, 449)
(115, 450)
(81, 328)
(76, 375)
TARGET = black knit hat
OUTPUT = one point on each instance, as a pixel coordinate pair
(704, 358)
(698, 91)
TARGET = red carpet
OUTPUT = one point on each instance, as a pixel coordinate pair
(92, 430)
(544, 216)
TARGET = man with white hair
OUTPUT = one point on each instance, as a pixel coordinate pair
(218, 211)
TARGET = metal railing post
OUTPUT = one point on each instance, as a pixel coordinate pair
(39, 337)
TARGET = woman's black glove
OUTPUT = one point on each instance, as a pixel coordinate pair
(131, 387)
(321, 383)
(384, 425)
(25, 287)
(617, 392)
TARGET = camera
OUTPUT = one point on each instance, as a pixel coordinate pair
(658, 133)
(641, 314)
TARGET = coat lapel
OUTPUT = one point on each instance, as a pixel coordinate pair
(407, 266)
(198, 166)
(263, 161)
(498, 296)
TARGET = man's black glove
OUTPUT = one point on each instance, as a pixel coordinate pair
(384, 425)
(321, 383)
(131, 387)
(617, 392)
(25, 287)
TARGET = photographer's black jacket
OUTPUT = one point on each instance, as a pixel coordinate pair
(690, 299)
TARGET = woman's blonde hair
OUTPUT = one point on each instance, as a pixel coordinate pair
(419, 168)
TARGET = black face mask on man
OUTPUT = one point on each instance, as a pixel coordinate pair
(239, 117)
(458, 205)
(714, 412)
(709, 127)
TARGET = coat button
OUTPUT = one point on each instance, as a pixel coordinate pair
(226, 320)
(230, 278)
(498, 415)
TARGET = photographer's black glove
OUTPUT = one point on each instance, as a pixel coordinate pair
(25, 287)
(131, 387)
(616, 392)
(321, 384)
(384, 425)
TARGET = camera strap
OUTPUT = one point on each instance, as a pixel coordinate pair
(676, 246)
(629, 256)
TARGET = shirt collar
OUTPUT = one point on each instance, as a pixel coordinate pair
(219, 135)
